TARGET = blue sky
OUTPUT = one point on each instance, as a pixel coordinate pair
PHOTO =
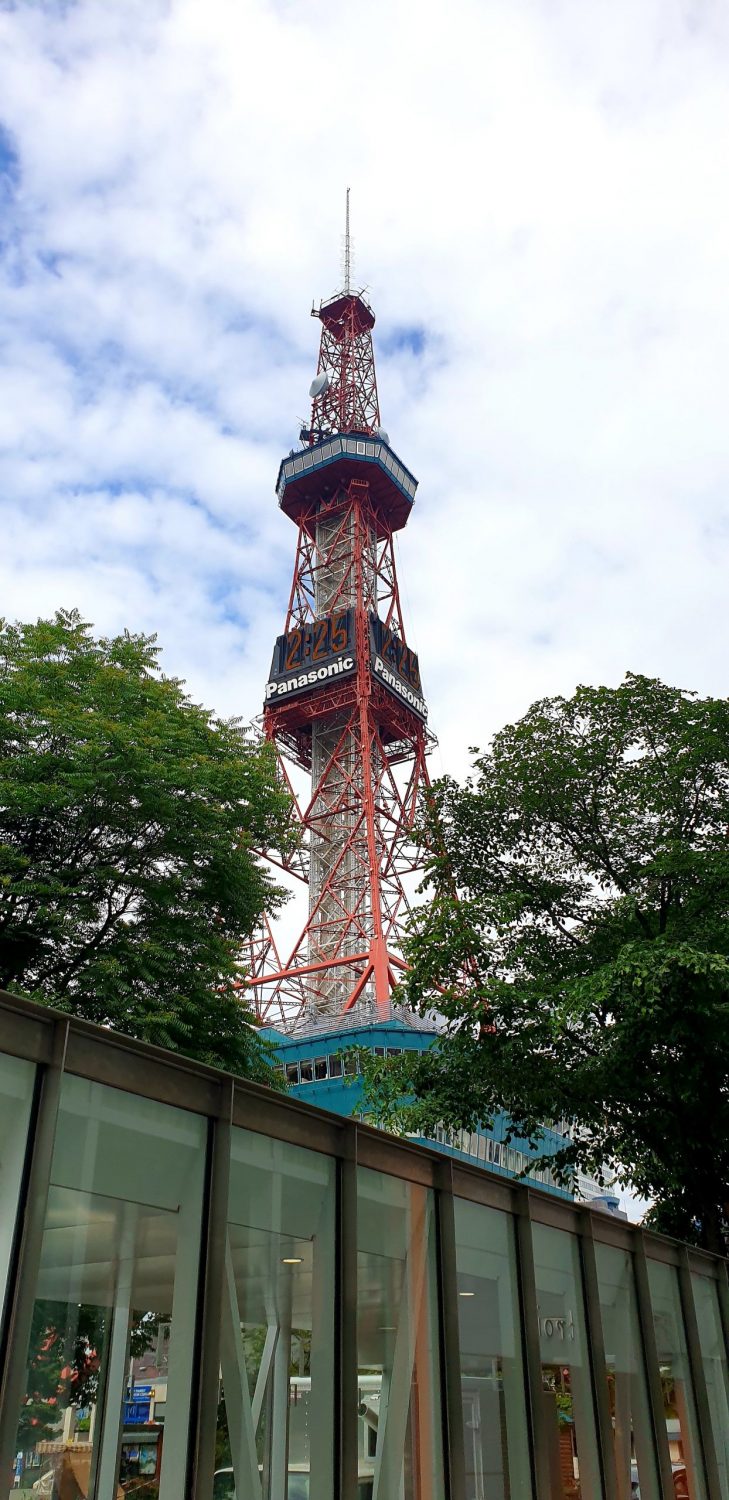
(539, 211)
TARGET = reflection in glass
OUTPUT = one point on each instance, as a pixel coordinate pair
(400, 1447)
(678, 1396)
(713, 1353)
(635, 1459)
(566, 1385)
(16, 1095)
(116, 1287)
(276, 1410)
(495, 1433)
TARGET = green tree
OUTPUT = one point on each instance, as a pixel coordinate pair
(128, 819)
(577, 945)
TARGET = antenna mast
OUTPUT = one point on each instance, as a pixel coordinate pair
(347, 250)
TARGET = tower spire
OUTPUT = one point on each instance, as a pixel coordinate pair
(347, 251)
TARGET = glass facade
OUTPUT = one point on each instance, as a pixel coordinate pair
(679, 1398)
(398, 1372)
(495, 1430)
(567, 1396)
(214, 1292)
(277, 1326)
(625, 1372)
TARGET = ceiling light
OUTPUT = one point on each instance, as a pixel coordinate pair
(292, 1260)
(466, 1294)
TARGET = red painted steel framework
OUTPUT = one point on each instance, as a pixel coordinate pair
(355, 733)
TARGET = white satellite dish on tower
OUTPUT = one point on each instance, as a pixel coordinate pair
(382, 435)
(319, 385)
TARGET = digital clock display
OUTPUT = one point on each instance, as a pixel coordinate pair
(310, 655)
(396, 666)
(313, 645)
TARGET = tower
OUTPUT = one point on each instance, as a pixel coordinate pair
(344, 700)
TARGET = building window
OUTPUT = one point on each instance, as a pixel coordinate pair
(635, 1460)
(277, 1332)
(292, 1072)
(678, 1393)
(399, 1395)
(495, 1434)
(307, 1070)
(566, 1381)
(119, 1259)
(320, 1068)
(335, 1065)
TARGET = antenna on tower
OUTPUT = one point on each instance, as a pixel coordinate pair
(347, 250)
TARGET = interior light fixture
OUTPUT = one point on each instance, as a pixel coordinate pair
(292, 1260)
(466, 1294)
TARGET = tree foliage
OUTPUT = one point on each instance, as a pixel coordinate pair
(128, 817)
(577, 944)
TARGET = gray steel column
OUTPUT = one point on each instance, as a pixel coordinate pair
(21, 1296)
(536, 1410)
(698, 1377)
(207, 1375)
(596, 1354)
(345, 1330)
(651, 1365)
(454, 1456)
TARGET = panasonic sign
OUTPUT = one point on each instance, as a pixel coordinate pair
(394, 682)
(300, 681)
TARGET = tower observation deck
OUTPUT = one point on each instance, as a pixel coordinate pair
(344, 701)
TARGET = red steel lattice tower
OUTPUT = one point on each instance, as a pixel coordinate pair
(344, 700)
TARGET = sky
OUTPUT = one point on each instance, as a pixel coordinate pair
(540, 216)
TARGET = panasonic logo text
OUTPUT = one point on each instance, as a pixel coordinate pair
(309, 679)
(398, 686)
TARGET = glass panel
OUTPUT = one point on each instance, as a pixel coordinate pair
(713, 1354)
(566, 1384)
(292, 1072)
(276, 1413)
(495, 1435)
(400, 1449)
(307, 1070)
(16, 1096)
(119, 1269)
(335, 1065)
(678, 1396)
(635, 1458)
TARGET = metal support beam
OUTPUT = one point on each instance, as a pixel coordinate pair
(21, 1296)
(207, 1393)
(346, 1326)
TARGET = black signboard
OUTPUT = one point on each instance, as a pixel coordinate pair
(310, 656)
(396, 666)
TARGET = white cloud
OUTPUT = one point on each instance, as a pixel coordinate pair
(538, 188)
